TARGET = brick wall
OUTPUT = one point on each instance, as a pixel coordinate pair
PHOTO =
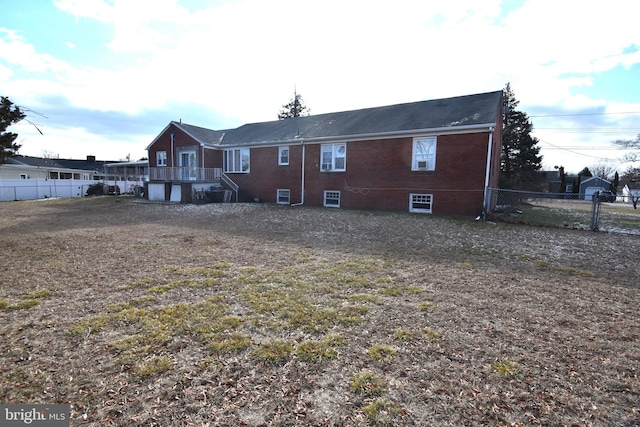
(378, 175)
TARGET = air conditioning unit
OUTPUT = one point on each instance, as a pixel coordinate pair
(422, 164)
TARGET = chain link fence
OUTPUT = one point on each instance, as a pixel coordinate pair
(599, 212)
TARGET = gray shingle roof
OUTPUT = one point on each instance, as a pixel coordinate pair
(205, 136)
(469, 110)
(86, 165)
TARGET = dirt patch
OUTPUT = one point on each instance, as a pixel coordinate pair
(250, 314)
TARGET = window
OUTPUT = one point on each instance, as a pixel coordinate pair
(283, 197)
(420, 203)
(332, 199)
(333, 157)
(283, 155)
(236, 160)
(424, 154)
(161, 158)
(23, 176)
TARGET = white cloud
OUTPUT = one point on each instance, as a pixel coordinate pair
(241, 59)
(93, 9)
(15, 50)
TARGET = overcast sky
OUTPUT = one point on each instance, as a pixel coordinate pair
(104, 77)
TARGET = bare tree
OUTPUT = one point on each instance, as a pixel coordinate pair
(603, 171)
(46, 154)
(630, 143)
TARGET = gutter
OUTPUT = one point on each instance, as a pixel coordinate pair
(302, 180)
(485, 202)
(444, 130)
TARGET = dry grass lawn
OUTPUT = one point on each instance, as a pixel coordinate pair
(141, 314)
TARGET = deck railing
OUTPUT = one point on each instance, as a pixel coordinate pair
(186, 174)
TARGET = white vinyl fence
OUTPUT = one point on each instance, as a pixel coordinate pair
(33, 189)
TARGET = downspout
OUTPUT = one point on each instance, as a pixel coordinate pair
(302, 181)
(173, 135)
(485, 202)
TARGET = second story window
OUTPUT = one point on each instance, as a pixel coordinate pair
(333, 157)
(161, 158)
(424, 154)
(283, 156)
(236, 160)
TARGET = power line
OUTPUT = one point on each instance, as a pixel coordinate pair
(593, 129)
(579, 154)
(584, 114)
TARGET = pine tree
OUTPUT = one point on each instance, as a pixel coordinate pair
(9, 114)
(616, 183)
(295, 108)
(521, 157)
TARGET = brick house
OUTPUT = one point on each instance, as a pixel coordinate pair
(434, 156)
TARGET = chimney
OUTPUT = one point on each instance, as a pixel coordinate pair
(91, 158)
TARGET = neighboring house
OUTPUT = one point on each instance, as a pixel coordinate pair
(27, 167)
(30, 178)
(592, 185)
(554, 182)
(432, 156)
(129, 176)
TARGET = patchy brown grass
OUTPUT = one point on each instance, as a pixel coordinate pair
(141, 314)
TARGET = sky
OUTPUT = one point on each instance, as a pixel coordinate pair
(105, 77)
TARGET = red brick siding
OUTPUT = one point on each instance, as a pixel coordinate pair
(378, 175)
(266, 176)
(181, 139)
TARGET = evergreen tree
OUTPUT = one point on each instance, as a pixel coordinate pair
(9, 114)
(520, 151)
(616, 183)
(295, 108)
(563, 179)
(585, 172)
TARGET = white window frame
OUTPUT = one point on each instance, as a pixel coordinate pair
(331, 199)
(283, 196)
(237, 160)
(421, 203)
(333, 157)
(161, 158)
(283, 156)
(423, 157)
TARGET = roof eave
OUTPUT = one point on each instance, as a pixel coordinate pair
(445, 130)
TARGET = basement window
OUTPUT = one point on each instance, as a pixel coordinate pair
(420, 203)
(332, 199)
(283, 196)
